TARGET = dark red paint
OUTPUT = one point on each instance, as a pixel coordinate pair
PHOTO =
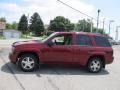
(65, 54)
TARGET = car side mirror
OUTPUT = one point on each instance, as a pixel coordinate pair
(50, 43)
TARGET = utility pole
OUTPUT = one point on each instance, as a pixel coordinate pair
(98, 19)
(110, 25)
(91, 28)
(103, 24)
(28, 29)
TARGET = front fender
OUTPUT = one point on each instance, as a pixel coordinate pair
(30, 50)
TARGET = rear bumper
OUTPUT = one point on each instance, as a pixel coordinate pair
(109, 60)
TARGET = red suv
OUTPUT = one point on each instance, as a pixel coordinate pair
(80, 48)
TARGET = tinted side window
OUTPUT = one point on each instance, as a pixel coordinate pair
(102, 41)
(83, 40)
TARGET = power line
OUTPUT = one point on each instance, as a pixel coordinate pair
(75, 9)
(80, 12)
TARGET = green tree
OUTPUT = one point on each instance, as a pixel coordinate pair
(2, 19)
(36, 26)
(61, 23)
(14, 25)
(8, 26)
(99, 30)
(23, 24)
(83, 25)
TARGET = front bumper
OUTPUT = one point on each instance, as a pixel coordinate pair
(12, 57)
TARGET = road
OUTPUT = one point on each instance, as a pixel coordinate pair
(57, 77)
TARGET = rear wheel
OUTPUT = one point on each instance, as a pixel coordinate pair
(28, 62)
(94, 65)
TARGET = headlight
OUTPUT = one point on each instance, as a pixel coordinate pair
(13, 48)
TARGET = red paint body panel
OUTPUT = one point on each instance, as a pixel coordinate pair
(65, 54)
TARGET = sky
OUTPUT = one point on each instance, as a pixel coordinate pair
(49, 9)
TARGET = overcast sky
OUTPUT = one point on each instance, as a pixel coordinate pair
(48, 9)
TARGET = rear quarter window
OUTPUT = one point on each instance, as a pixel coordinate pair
(83, 40)
(102, 41)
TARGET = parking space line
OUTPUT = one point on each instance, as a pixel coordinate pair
(12, 72)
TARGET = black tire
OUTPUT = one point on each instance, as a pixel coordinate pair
(26, 64)
(94, 65)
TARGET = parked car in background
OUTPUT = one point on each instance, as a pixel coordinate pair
(113, 42)
(80, 48)
(119, 42)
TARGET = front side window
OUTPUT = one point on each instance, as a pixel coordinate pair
(102, 41)
(62, 40)
(83, 40)
(44, 40)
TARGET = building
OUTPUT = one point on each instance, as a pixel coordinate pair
(11, 33)
(2, 27)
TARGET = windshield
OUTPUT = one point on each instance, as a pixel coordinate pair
(44, 40)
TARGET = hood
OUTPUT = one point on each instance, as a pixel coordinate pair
(33, 42)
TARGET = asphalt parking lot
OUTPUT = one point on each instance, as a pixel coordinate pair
(58, 77)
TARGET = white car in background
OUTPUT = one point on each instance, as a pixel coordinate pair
(111, 41)
(119, 42)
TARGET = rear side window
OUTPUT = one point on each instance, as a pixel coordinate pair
(102, 41)
(83, 40)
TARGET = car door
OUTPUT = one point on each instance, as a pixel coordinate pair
(82, 48)
(61, 51)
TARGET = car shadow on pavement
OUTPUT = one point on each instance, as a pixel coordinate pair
(52, 70)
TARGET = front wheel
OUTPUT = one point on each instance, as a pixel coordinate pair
(28, 62)
(94, 65)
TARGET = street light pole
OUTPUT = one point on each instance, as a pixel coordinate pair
(110, 25)
(98, 19)
(116, 38)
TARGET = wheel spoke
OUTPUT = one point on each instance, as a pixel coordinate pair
(24, 62)
(93, 62)
(28, 59)
(97, 62)
(92, 66)
(31, 62)
(95, 69)
(25, 65)
(30, 66)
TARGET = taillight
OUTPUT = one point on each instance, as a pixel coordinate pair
(112, 52)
